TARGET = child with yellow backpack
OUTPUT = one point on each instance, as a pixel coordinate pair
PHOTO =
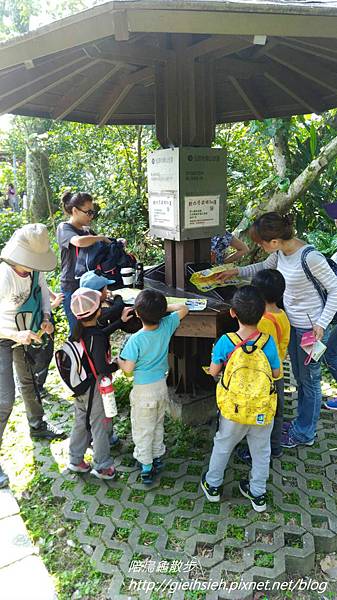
(245, 396)
(271, 285)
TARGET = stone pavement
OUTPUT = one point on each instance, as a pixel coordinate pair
(169, 532)
(23, 575)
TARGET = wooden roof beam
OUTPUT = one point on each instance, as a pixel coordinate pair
(301, 71)
(236, 47)
(312, 44)
(245, 98)
(282, 86)
(211, 44)
(70, 102)
(136, 53)
(23, 98)
(226, 22)
(308, 50)
(121, 26)
(40, 78)
(120, 92)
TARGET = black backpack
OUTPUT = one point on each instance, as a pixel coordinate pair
(109, 259)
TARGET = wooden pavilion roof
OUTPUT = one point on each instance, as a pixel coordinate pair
(99, 66)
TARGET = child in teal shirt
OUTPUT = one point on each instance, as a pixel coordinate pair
(146, 355)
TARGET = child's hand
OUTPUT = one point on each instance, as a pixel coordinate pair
(127, 314)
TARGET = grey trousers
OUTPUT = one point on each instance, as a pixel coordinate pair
(101, 428)
(34, 410)
(226, 438)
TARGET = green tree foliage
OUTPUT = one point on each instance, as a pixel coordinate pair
(15, 16)
(109, 163)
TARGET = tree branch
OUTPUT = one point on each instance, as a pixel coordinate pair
(282, 201)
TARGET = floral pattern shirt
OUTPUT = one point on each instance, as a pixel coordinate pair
(219, 245)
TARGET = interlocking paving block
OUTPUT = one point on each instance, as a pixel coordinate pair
(178, 536)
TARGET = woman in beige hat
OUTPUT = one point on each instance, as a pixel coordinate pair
(26, 252)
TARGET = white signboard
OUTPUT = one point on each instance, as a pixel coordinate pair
(202, 211)
(163, 171)
(162, 210)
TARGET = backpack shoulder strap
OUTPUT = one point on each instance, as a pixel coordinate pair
(91, 364)
(234, 338)
(309, 275)
(272, 318)
(262, 340)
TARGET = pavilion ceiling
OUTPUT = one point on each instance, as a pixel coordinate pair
(112, 78)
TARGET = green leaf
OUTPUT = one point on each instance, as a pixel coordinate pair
(313, 140)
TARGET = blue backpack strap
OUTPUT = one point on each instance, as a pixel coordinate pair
(33, 304)
(319, 289)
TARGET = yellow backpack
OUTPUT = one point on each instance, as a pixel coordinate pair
(246, 392)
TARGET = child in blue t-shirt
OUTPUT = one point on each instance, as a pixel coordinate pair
(248, 307)
(145, 354)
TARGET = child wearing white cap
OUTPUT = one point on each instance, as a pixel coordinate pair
(86, 306)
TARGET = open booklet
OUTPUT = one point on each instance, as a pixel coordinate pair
(129, 296)
(193, 304)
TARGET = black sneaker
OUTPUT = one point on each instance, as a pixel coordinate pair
(158, 464)
(47, 432)
(275, 453)
(258, 502)
(212, 493)
(147, 477)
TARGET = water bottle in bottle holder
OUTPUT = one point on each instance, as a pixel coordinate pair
(108, 396)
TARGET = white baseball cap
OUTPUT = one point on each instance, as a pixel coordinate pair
(84, 302)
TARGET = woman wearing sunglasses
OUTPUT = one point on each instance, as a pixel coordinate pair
(72, 234)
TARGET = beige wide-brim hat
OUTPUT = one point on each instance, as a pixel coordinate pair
(29, 247)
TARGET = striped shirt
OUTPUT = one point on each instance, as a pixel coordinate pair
(300, 296)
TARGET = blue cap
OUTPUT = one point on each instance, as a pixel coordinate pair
(93, 281)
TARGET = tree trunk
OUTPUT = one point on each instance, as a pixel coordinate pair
(282, 201)
(38, 190)
(281, 154)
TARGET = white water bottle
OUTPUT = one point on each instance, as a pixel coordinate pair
(107, 392)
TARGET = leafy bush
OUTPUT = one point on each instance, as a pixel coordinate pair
(9, 223)
(323, 241)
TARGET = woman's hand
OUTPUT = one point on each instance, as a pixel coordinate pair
(26, 337)
(127, 314)
(318, 332)
(222, 277)
(47, 326)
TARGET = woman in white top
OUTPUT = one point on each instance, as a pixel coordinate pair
(305, 310)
